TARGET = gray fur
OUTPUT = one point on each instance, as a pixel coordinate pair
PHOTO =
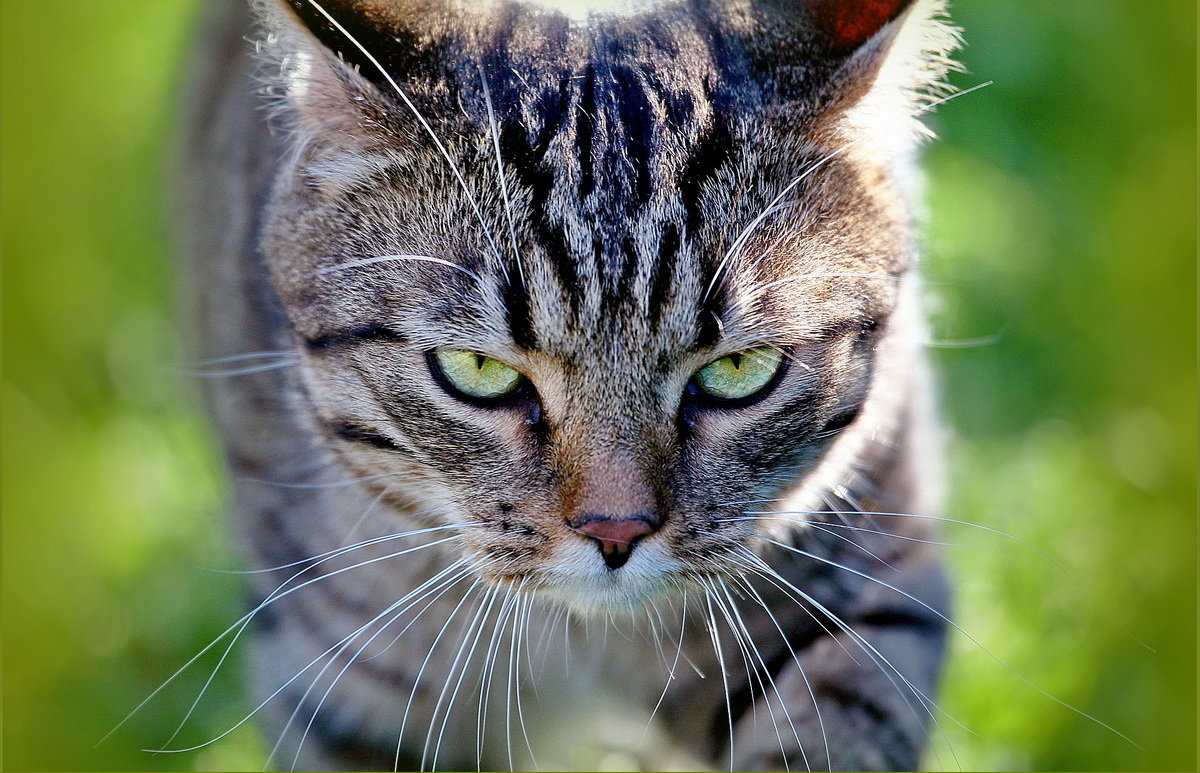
(624, 247)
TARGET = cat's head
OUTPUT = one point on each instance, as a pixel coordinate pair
(593, 284)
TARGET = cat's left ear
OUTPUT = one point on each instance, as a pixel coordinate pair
(847, 25)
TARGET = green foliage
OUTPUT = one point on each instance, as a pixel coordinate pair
(1062, 246)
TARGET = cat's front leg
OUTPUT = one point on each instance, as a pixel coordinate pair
(860, 699)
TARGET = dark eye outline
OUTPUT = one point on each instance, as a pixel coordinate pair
(518, 397)
(695, 395)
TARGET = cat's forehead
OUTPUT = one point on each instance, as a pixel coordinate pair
(624, 181)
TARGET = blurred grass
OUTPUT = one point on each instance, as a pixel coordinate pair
(1062, 241)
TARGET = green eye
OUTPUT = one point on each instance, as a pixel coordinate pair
(740, 375)
(476, 375)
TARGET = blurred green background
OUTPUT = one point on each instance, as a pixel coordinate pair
(1062, 248)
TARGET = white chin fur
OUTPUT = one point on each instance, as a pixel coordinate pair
(580, 581)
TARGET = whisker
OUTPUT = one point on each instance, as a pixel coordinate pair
(335, 484)
(282, 353)
(472, 632)
(762, 665)
(716, 642)
(918, 516)
(495, 131)
(243, 371)
(844, 514)
(670, 671)
(280, 689)
(796, 659)
(489, 668)
(852, 543)
(240, 625)
(416, 595)
(394, 259)
(330, 554)
(421, 671)
(210, 367)
(517, 662)
(763, 570)
(956, 627)
(750, 671)
(775, 204)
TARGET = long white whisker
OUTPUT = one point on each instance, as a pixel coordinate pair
(775, 205)
(796, 659)
(278, 690)
(869, 649)
(240, 625)
(716, 642)
(243, 371)
(752, 673)
(956, 627)
(830, 525)
(394, 259)
(490, 658)
(762, 665)
(495, 131)
(321, 558)
(472, 633)
(670, 672)
(421, 671)
(409, 600)
(517, 632)
(852, 543)
(335, 484)
(844, 513)
(277, 353)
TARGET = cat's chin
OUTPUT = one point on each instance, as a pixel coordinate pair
(615, 596)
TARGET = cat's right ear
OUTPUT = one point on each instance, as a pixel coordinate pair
(324, 71)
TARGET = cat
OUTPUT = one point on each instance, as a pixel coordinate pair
(574, 400)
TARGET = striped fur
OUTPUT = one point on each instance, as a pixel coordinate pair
(607, 205)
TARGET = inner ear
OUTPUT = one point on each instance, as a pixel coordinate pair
(847, 25)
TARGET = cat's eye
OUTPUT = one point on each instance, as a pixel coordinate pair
(739, 376)
(475, 375)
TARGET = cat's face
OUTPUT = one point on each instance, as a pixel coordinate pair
(669, 307)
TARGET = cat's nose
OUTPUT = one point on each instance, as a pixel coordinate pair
(615, 536)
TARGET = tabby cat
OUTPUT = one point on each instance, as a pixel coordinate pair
(571, 388)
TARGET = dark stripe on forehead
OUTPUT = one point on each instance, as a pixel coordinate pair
(609, 122)
(518, 312)
(641, 126)
(524, 146)
(711, 318)
(585, 129)
(663, 276)
(711, 153)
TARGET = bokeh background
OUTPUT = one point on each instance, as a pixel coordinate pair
(1061, 257)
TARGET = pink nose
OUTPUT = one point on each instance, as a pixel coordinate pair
(615, 536)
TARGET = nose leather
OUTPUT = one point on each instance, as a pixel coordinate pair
(615, 536)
